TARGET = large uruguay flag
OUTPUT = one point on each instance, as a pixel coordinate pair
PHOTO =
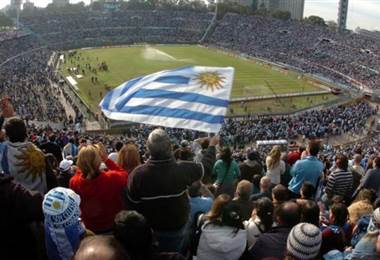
(192, 97)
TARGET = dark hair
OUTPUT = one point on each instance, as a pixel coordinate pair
(310, 212)
(118, 146)
(15, 129)
(194, 189)
(280, 193)
(183, 154)
(232, 216)
(288, 214)
(134, 233)
(340, 212)
(341, 161)
(52, 137)
(264, 210)
(376, 204)
(377, 161)
(308, 190)
(205, 143)
(256, 180)
(226, 156)
(314, 147)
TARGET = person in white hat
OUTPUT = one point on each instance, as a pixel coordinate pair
(65, 173)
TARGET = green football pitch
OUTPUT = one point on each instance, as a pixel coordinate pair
(251, 78)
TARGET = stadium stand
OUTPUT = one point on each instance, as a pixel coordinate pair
(165, 195)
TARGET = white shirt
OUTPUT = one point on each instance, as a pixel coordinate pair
(275, 173)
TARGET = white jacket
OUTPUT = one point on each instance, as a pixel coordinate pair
(221, 242)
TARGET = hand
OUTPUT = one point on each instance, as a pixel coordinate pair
(214, 141)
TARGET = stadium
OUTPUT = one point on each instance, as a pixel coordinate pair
(292, 171)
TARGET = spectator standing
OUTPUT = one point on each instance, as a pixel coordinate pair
(20, 208)
(223, 238)
(275, 166)
(22, 159)
(340, 181)
(372, 178)
(265, 191)
(134, 233)
(100, 248)
(201, 200)
(334, 237)
(227, 172)
(114, 155)
(65, 173)
(242, 198)
(160, 185)
(63, 229)
(260, 222)
(100, 191)
(251, 167)
(128, 157)
(308, 169)
(304, 242)
(366, 247)
(357, 165)
(52, 147)
(70, 149)
(272, 244)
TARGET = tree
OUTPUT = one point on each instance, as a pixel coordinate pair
(5, 20)
(315, 20)
(332, 25)
(282, 15)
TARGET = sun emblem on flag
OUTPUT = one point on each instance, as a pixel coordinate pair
(211, 80)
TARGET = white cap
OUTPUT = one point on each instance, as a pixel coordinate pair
(65, 165)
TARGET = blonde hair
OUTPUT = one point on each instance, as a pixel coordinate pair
(129, 157)
(89, 162)
(359, 209)
(274, 157)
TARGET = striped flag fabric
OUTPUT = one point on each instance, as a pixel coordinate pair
(194, 97)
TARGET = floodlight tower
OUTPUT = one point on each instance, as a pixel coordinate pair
(342, 15)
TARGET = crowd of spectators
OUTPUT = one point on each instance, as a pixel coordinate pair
(25, 80)
(310, 124)
(313, 49)
(85, 29)
(153, 198)
(172, 194)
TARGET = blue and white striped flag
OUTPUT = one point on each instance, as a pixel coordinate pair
(193, 98)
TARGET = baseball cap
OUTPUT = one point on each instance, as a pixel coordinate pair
(65, 165)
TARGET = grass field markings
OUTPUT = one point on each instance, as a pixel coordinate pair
(151, 53)
(127, 63)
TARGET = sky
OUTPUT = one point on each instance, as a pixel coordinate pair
(361, 13)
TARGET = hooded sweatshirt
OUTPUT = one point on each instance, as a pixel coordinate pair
(221, 242)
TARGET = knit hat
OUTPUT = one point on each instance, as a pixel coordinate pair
(61, 207)
(63, 229)
(304, 241)
(374, 224)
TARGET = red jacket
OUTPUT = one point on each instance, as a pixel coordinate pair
(101, 198)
